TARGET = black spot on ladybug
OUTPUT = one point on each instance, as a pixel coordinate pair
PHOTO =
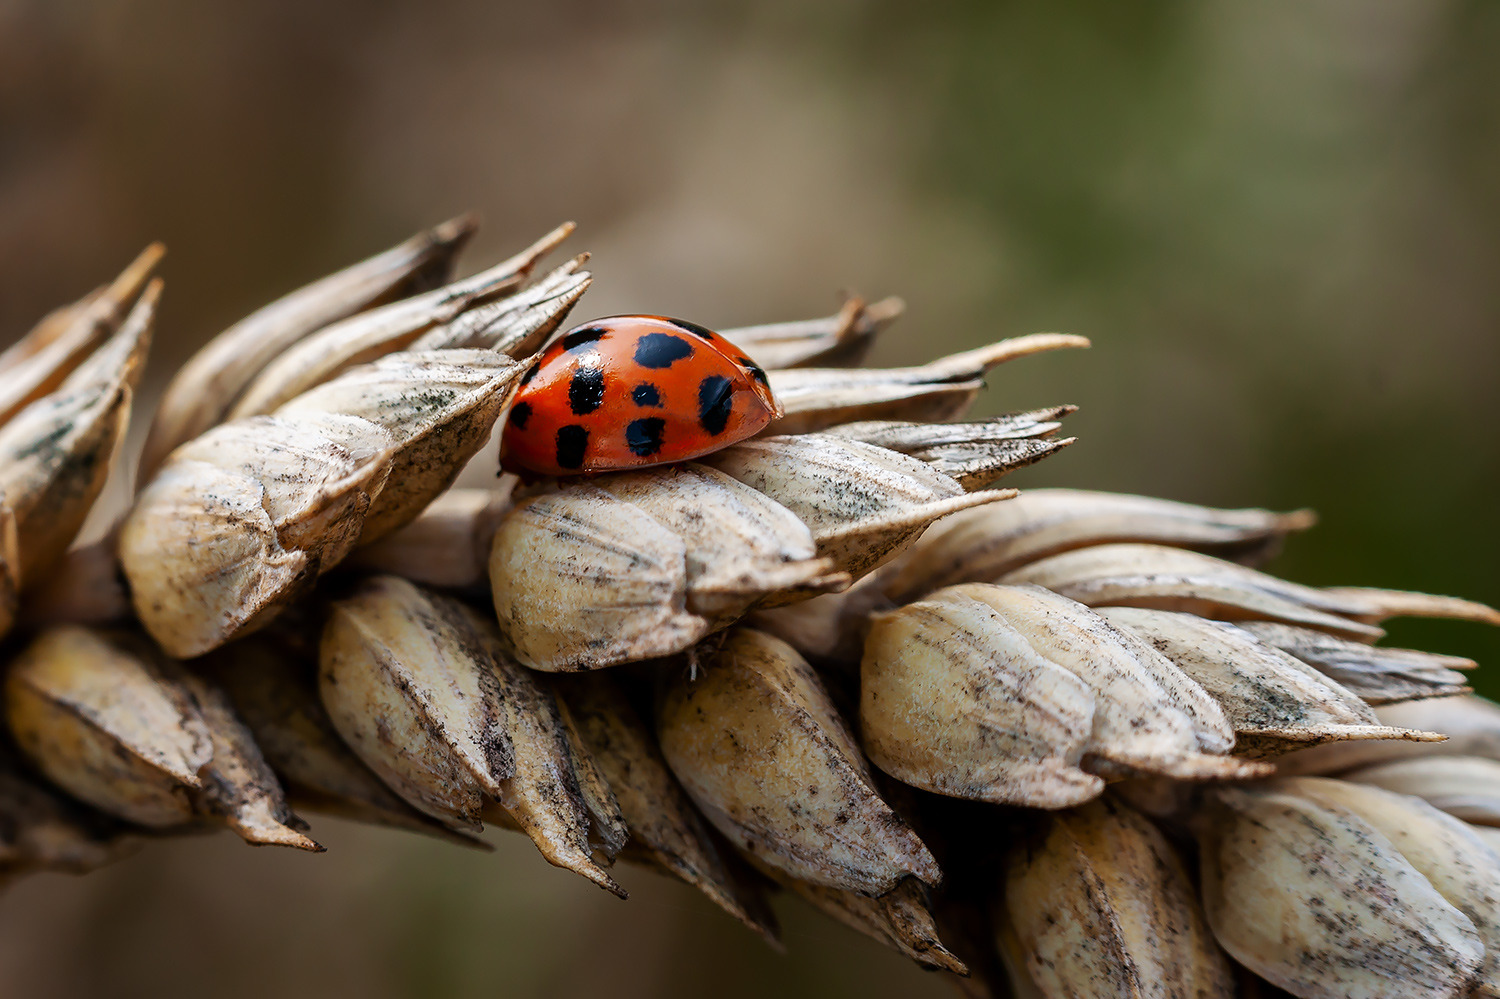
(583, 337)
(645, 394)
(756, 371)
(586, 390)
(660, 350)
(643, 436)
(531, 373)
(715, 400)
(571, 442)
(519, 414)
(697, 331)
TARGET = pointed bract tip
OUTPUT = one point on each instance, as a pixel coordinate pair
(458, 229)
(264, 834)
(1297, 520)
(601, 877)
(886, 309)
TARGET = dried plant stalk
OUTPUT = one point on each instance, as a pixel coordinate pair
(1090, 638)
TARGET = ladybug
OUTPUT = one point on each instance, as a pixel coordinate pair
(630, 392)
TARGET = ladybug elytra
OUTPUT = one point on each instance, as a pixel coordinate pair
(630, 392)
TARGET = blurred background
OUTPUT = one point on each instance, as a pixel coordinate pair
(1279, 222)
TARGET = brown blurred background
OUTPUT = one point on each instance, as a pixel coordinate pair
(1280, 223)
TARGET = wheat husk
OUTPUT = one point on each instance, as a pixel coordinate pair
(367, 336)
(447, 545)
(1275, 702)
(666, 830)
(43, 830)
(955, 700)
(862, 503)
(1315, 900)
(760, 748)
(1155, 576)
(43, 359)
(1149, 717)
(987, 544)
(242, 520)
(518, 324)
(56, 453)
(204, 389)
(972, 454)
(272, 683)
(817, 398)
(419, 688)
(840, 340)
(1378, 675)
(141, 739)
(643, 564)
(1100, 904)
(1464, 786)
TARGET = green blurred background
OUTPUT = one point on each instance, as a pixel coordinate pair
(1279, 221)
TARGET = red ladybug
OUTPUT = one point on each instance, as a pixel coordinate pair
(633, 391)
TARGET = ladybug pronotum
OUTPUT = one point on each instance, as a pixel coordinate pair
(630, 392)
